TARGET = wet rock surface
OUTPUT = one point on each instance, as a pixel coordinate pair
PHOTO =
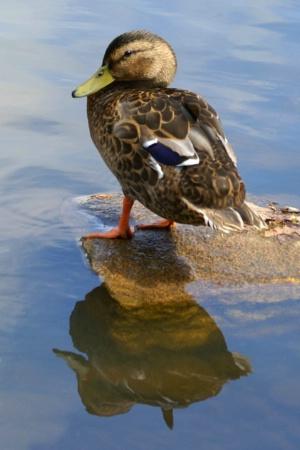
(170, 259)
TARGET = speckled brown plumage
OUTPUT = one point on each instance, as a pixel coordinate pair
(166, 112)
(137, 107)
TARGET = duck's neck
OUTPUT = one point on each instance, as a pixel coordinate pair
(122, 85)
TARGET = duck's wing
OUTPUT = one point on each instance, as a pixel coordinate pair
(174, 128)
(169, 130)
(207, 122)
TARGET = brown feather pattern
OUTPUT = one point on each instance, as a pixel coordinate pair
(124, 112)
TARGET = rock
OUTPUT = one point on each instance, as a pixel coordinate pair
(205, 260)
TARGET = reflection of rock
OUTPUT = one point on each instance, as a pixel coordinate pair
(168, 355)
(193, 253)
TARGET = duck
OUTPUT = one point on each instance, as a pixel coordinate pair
(165, 145)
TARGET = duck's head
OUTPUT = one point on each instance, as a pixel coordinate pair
(138, 56)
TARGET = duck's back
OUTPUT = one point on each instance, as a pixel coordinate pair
(122, 121)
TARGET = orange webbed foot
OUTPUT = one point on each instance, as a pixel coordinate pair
(160, 224)
(114, 233)
(124, 231)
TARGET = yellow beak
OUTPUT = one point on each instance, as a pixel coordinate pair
(98, 81)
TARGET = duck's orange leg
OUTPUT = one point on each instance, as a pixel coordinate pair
(162, 224)
(123, 231)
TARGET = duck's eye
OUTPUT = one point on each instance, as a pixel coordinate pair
(127, 53)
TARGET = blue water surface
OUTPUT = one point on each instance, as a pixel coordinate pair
(243, 57)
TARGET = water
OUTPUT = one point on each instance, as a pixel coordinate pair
(242, 57)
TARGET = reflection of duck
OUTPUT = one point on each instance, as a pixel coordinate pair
(167, 355)
(165, 146)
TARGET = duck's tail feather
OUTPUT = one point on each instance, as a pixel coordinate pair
(230, 219)
(233, 219)
(225, 220)
(250, 216)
